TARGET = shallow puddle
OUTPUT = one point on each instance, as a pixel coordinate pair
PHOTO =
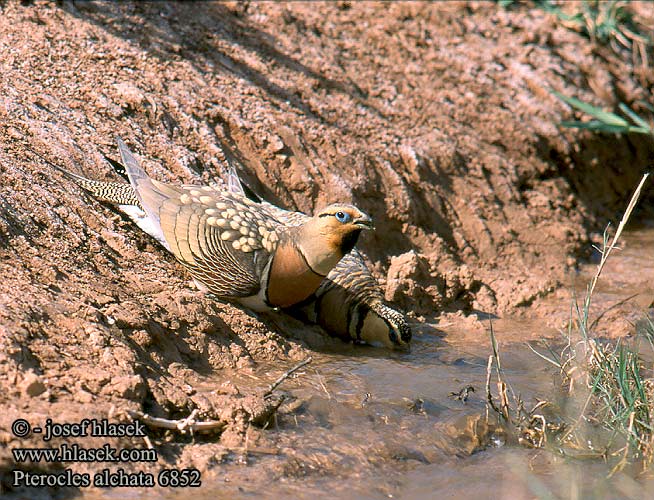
(369, 424)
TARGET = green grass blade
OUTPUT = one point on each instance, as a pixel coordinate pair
(550, 8)
(549, 360)
(597, 126)
(603, 116)
(635, 117)
(649, 332)
(496, 353)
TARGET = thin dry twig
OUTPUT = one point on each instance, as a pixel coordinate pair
(618, 233)
(489, 395)
(285, 375)
(146, 438)
(322, 385)
(183, 425)
(187, 422)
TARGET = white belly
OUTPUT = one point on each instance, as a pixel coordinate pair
(144, 222)
(255, 302)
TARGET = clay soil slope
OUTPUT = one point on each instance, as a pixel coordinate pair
(435, 118)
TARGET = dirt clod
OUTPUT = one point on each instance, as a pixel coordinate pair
(32, 385)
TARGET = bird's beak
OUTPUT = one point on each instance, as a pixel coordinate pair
(404, 347)
(364, 222)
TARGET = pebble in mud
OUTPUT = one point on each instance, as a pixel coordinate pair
(32, 385)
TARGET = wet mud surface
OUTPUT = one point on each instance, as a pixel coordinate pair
(369, 425)
(359, 422)
(434, 118)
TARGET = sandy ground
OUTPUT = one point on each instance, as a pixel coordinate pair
(434, 118)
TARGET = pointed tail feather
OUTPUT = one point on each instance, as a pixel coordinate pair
(237, 186)
(116, 193)
(151, 194)
(139, 180)
(233, 181)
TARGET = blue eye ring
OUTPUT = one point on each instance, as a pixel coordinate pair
(342, 217)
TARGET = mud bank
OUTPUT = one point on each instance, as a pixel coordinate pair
(434, 118)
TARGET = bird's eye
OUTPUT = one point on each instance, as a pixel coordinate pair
(342, 217)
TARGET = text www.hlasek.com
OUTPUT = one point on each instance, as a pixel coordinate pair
(75, 453)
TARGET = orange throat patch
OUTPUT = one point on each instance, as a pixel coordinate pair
(291, 279)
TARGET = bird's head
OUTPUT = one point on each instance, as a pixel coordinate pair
(330, 234)
(385, 325)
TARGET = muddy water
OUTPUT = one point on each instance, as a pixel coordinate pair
(369, 424)
(377, 426)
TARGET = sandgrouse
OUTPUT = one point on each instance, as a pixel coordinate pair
(234, 248)
(349, 302)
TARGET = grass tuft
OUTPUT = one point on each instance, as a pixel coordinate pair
(606, 22)
(608, 410)
(605, 121)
